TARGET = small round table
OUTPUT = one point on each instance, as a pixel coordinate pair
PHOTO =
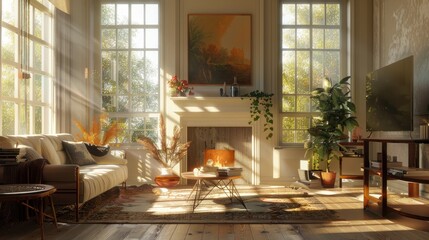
(226, 183)
(24, 192)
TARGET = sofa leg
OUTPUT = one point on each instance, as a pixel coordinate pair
(124, 185)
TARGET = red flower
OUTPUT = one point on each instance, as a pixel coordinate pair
(181, 86)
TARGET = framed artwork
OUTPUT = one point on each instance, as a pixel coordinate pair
(219, 48)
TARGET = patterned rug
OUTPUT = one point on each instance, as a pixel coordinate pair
(148, 204)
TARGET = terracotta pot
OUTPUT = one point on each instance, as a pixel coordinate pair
(167, 178)
(328, 179)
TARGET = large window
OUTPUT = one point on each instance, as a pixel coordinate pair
(130, 66)
(313, 47)
(26, 67)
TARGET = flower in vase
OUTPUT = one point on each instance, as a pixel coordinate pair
(178, 87)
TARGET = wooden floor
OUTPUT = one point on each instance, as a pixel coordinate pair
(355, 223)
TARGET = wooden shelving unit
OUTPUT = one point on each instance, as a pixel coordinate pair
(410, 206)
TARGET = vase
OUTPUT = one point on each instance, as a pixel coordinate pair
(167, 178)
(173, 92)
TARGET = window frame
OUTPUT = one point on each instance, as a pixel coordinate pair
(25, 91)
(343, 59)
(150, 128)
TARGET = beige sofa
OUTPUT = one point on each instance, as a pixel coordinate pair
(75, 184)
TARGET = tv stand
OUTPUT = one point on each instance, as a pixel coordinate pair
(411, 205)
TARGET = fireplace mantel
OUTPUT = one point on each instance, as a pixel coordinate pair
(201, 104)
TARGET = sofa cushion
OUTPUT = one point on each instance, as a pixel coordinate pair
(28, 140)
(97, 179)
(49, 152)
(77, 153)
(57, 142)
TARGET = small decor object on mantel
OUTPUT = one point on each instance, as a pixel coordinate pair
(178, 87)
(264, 100)
(168, 154)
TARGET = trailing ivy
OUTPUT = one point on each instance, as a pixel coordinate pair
(260, 105)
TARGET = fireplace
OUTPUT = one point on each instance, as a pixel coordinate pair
(220, 123)
(236, 139)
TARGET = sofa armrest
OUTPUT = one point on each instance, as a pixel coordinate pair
(110, 159)
(61, 173)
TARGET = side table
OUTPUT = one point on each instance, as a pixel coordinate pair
(24, 192)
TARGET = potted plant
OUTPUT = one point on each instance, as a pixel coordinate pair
(336, 109)
(169, 154)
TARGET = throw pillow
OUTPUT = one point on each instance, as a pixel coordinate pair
(96, 150)
(27, 153)
(77, 153)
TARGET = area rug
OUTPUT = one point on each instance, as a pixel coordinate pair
(148, 204)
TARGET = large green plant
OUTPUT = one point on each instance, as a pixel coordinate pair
(336, 116)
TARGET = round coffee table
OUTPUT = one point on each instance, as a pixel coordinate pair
(24, 192)
(210, 182)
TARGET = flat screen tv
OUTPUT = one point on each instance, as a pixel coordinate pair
(389, 97)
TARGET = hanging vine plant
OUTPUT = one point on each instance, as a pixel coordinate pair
(260, 106)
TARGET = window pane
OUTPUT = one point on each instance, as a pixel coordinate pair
(37, 87)
(108, 38)
(9, 45)
(123, 74)
(317, 68)
(288, 103)
(151, 38)
(122, 14)
(152, 66)
(332, 38)
(108, 62)
(288, 74)
(137, 71)
(332, 14)
(303, 103)
(137, 103)
(108, 103)
(137, 14)
(37, 55)
(288, 40)
(288, 14)
(8, 118)
(318, 14)
(332, 67)
(303, 71)
(123, 104)
(123, 38)
(152, 14)
(8, 74)
(137, 38)
(303, 38)
(318, 38)
(37, 119)
(303, 14)
(10, 12)
(107, 14)
(37, 23)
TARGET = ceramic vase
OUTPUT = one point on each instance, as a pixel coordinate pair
(167, 178)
